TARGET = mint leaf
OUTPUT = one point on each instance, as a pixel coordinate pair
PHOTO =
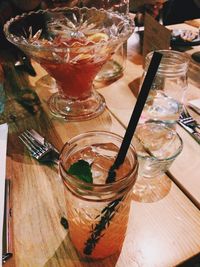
(82, 170)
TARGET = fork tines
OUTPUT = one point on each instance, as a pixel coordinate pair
(187, 120)
(32, 144)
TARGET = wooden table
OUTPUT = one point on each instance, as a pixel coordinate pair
(161, 233)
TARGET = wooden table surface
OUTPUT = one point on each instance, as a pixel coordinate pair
(165, 232)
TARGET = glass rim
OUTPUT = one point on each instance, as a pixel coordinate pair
(178, 151)
(93, 185)
(170, 67)
(114, 40)
(166, 52)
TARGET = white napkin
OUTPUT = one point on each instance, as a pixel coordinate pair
(3, 149)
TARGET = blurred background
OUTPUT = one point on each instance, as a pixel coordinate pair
(165, 11)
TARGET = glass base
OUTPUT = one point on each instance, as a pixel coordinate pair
(151, 190)
(114, 67)
(110, 71)
(77, 110)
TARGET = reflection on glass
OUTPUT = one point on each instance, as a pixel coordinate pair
(71, 44)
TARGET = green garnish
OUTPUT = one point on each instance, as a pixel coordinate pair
(82, 170)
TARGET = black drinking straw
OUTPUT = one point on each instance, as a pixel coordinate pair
(110, 210)
(142, 97)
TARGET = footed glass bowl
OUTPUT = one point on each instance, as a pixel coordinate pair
(71, 44)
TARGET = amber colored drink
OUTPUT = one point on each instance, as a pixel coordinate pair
(98, 212)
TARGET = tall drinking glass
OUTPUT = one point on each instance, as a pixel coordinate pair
(168, 90)
(97, 212)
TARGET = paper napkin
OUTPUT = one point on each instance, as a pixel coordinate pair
(3, 149)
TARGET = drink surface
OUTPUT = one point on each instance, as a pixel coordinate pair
(101, 157)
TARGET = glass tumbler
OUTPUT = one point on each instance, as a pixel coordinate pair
(168, 90)
(97, 212)
(157, 147)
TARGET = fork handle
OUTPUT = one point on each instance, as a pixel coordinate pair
(197, 136)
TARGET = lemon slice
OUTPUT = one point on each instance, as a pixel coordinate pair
(98, 37)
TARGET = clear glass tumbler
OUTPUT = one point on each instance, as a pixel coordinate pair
(157, 147)
(168, 90)
(98, 212)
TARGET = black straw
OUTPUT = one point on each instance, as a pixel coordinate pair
(110, 210)
(141, 100)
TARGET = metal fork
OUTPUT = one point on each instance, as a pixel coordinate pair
(187, 119)
(38, 147)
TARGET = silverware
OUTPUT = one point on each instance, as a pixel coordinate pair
(189, 124)
(188, 120)
(43, 151)
(38, 147)
(7, 238)
(191, 131)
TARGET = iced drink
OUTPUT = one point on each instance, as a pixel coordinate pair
(98, 212)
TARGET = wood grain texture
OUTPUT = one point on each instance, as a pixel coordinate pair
(163, 233)
(127, 89)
